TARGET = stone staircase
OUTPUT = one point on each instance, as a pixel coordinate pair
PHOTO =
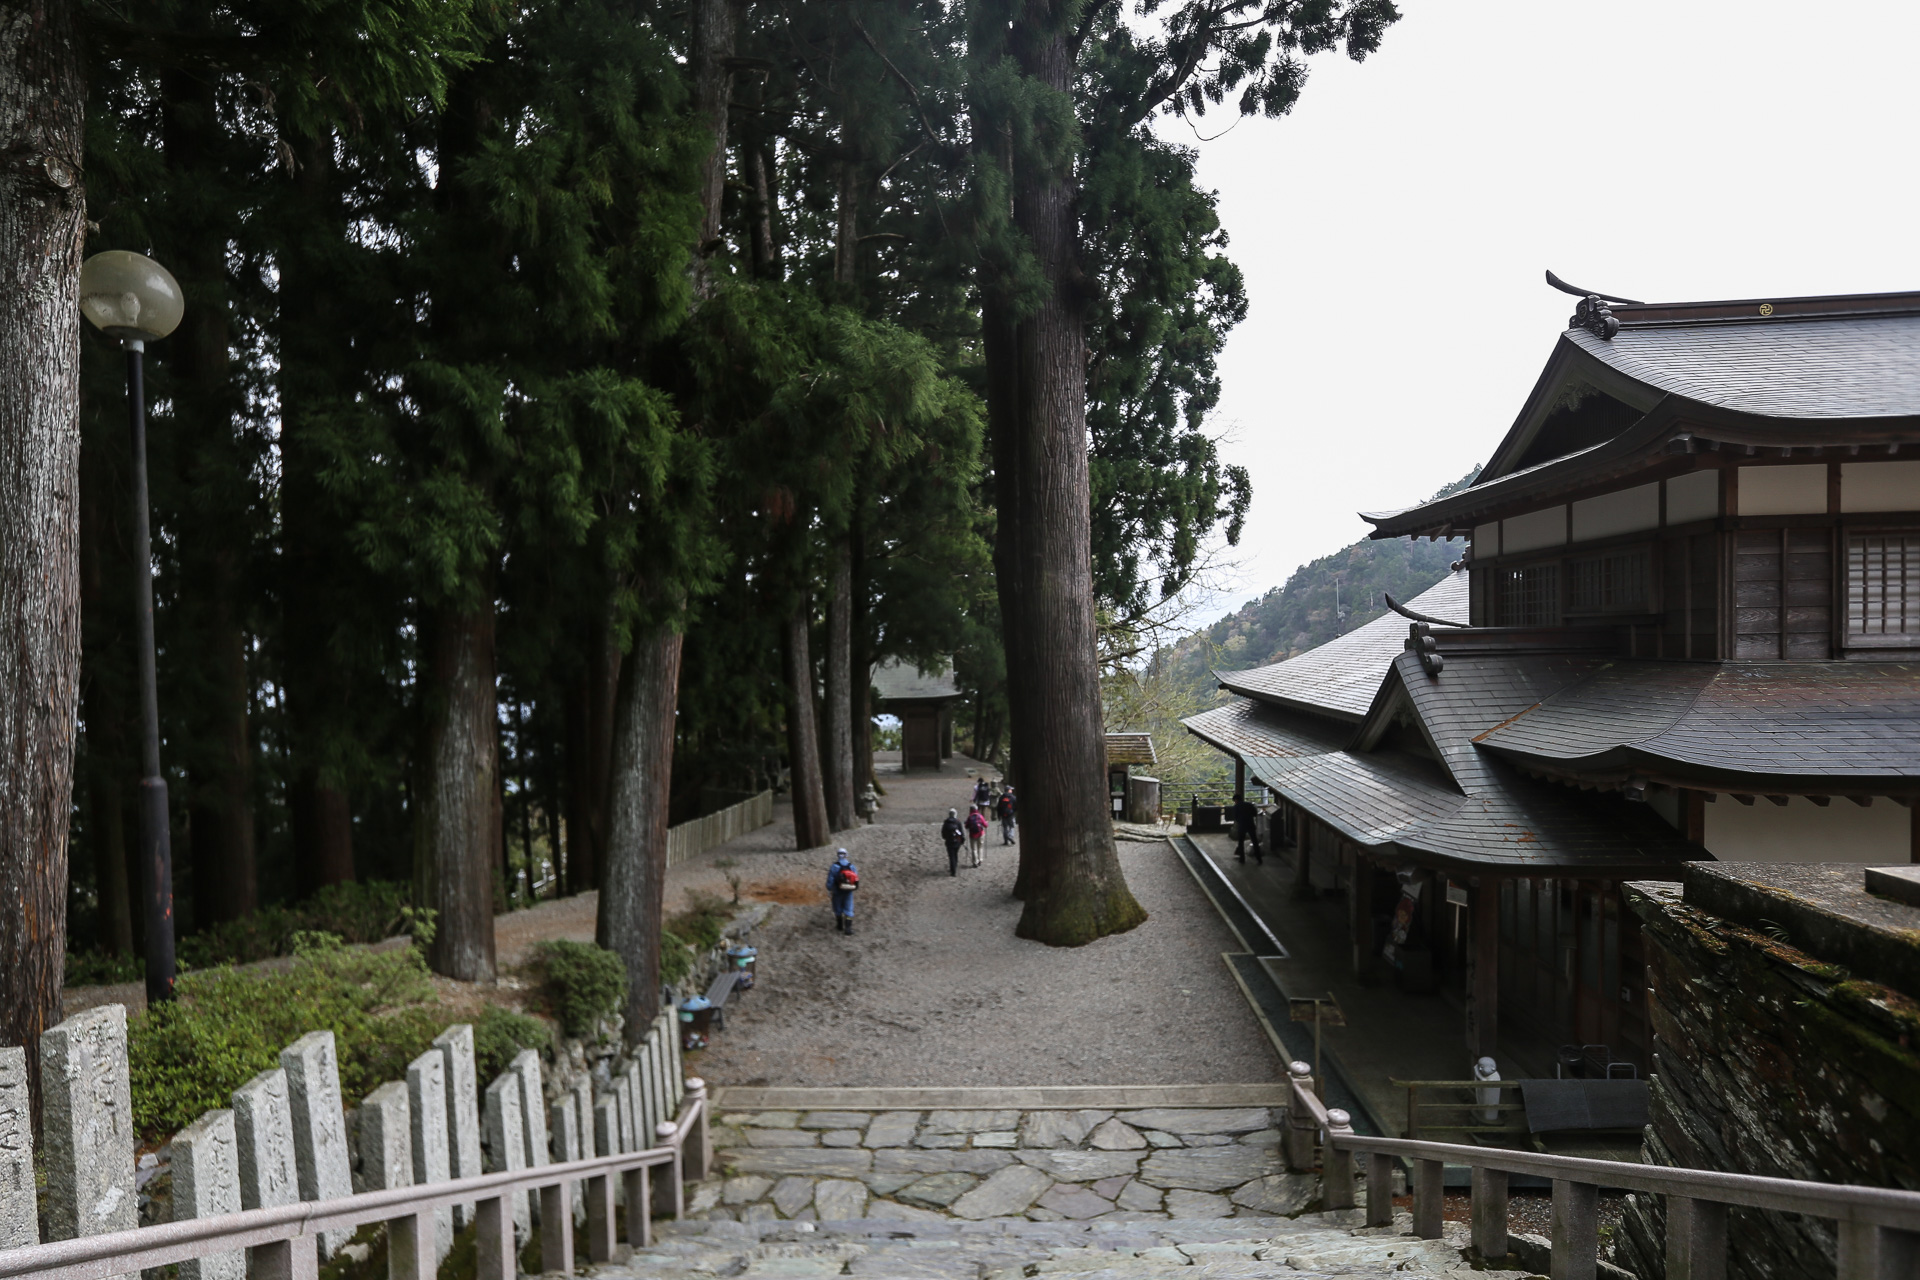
(984, 1184)
(1318, 1244)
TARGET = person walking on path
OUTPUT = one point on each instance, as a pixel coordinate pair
(1003, 809)
(981, 792)
(955, 835)
(1246, 826)
(842, 879)
(976, 834)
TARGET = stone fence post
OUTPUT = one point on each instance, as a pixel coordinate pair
(319, 1125)
(19, 1202)
(205, 1163)
(463, 1111)
(87, 1123)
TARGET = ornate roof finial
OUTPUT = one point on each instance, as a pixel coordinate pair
(1592, 315)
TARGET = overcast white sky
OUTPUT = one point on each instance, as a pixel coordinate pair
(1393, 230)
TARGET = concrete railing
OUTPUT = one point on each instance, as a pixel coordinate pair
(701, 834)
(1878, 1227)
(283, 1242)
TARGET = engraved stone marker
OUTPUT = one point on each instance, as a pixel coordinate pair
(583, 1114)
(427, 1108)
(19, 1214)
(319, 1126)
(533, 1107)
(386, 1139)
(87, 1117)
(565, 1133)
(606, 1126)
(205, 1162)
(675, 1069)
(263, 1130)
(629, 1113)
(643, 1113)
(650, 1082)
(463, 1111)
(507, 1142)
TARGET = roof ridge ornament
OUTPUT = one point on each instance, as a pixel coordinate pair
(1592, 314)
(1578, 292)
(1420, 640)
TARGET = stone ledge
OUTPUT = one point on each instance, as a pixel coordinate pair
(1012, 1098)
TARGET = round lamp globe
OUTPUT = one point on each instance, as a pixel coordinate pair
(127, 295)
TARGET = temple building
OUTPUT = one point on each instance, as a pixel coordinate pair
(1687, 627)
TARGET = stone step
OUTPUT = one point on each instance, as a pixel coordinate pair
(1017, 1249)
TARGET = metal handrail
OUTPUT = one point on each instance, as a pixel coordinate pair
(119, 1253)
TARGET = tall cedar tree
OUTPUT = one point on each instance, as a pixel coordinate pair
(42, 214)
(1034, 112)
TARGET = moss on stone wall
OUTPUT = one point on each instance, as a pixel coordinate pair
(1771, 1061)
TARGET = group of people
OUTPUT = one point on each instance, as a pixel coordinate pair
(971, 831)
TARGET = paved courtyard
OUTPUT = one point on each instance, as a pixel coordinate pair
(934, 989)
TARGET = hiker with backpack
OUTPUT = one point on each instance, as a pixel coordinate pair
(842, 879)
(1003, 810)
(976, 833)
(954, 834)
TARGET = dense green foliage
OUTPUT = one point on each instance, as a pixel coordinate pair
(584, 983)
(483, 383)
(228, 1026)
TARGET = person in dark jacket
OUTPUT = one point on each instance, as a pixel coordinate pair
(842, 879)
(955, 835)
(1246, 826)
(1003, 810)
(981, 793)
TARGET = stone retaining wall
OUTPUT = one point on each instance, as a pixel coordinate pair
(1770, 1061)
(1047, 1165)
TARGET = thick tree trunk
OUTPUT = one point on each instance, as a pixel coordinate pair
(1069, 877)
(317, 564)
(226, 885)
(846, 236)
(810, 829)
(860, 665)
(590, 719)
(634, 895)
(838, 765)
(42, 215)
(457, 819)
(756, 168)
(104, 591)
(713, 26)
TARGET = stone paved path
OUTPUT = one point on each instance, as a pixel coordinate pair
(1236, 1249)
(1046, 1166)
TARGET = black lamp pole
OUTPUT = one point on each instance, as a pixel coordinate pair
(156, 844)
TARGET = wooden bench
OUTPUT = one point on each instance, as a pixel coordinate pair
(720, 992)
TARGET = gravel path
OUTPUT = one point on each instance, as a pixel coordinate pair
(934, 989)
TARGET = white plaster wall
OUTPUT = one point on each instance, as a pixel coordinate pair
(1783, 491)
(1626, 511)
(1694, 496)
(1534, 530)
(1805, 832)
(1486, 540)
(1880, 486)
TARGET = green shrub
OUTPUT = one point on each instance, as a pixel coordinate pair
(676, 958)
(226, 1027)
(701, 925)
(499, 1034)
(102, 968)
(584, 983)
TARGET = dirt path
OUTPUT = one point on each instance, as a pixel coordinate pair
(933, 988)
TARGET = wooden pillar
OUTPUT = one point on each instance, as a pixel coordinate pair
(1483, 1014)
(1240, 781)
(1302, 869)
(1360, 913)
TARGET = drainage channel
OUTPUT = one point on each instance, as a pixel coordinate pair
(1257, 983)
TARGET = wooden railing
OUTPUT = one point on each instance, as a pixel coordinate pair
(1879, 1227)
(283, 1242)
(1510, 1117)
(690, 839)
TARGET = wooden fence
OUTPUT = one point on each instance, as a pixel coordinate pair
(692, 838)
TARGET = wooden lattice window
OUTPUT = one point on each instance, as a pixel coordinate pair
(1530, 597)
(1883, 591)
(1608, 584)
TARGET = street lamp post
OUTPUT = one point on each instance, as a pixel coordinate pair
(135, 299)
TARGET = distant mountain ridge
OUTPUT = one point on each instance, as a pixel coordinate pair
(1321, 600)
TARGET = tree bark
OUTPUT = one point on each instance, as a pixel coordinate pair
(317, 565)
(590, 720)
(457, 825)
(710, 57)
(1070, 876)
(839, 766)
(42, 215)
(634, 896)
(756, 168)
(860, 665)
(810, 829)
